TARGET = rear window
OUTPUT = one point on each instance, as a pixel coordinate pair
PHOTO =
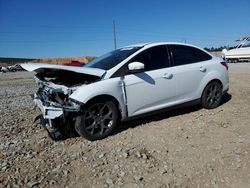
(183, 55)
(202, 55)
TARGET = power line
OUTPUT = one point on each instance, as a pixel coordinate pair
(53, 41)
(51, 32)
(56, 26)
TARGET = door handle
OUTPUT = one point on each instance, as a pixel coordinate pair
(168, 75)
(203, 69)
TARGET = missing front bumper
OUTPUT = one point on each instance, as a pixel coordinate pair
(58, 121)
(53, 132)
(54, 110)
(48, 112)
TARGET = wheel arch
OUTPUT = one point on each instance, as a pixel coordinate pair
(213, 101)
(107, 97)
(110, 88)
(213, 80)
(210, 77)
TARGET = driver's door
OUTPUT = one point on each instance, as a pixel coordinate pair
(154, 88)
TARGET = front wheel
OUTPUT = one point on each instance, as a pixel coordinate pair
(98, 120)
(212, 95)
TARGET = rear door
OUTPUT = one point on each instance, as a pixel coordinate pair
(189, 69)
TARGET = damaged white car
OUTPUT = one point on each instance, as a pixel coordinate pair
(126, 83)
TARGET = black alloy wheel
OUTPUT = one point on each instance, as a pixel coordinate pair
(212, 95)
(98, 120)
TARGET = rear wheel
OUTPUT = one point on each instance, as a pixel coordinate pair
(212, 95)
(98, 120)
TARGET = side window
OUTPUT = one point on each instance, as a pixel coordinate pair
(203, 56)
(153, 58)
(183, 55)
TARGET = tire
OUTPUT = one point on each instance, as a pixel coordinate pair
(98, 120)
(212, 95)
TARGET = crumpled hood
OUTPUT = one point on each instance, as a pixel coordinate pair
(42, 67)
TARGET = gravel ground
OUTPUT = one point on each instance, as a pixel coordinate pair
(190, 147)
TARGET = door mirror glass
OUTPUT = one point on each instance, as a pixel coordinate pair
(135, 67)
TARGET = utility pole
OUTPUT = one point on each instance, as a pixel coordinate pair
(114, 32)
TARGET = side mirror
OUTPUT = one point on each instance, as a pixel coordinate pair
(135, 67)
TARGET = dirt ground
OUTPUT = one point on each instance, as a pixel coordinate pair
(190, 147)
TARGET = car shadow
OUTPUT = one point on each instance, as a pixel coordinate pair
(156, 116)
(164, 114)
(226, 97)
(146, 78)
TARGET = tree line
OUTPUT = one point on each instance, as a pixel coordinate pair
(213, 49)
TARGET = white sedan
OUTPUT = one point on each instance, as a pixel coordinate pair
(126, 83)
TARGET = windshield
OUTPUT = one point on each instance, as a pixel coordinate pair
(111, 59)
(247, 44)
(239, 44)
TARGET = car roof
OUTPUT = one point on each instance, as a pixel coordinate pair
(145, 46)
(151, 44)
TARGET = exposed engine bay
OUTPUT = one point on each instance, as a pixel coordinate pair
(55, 85)
(66, 78)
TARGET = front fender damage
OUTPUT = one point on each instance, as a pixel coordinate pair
(56, 83)
(57, 121)
(58, 112)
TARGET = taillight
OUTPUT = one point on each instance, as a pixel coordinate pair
(224, 64)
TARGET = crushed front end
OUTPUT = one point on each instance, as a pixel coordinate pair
(57, 110)
(55, 85)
